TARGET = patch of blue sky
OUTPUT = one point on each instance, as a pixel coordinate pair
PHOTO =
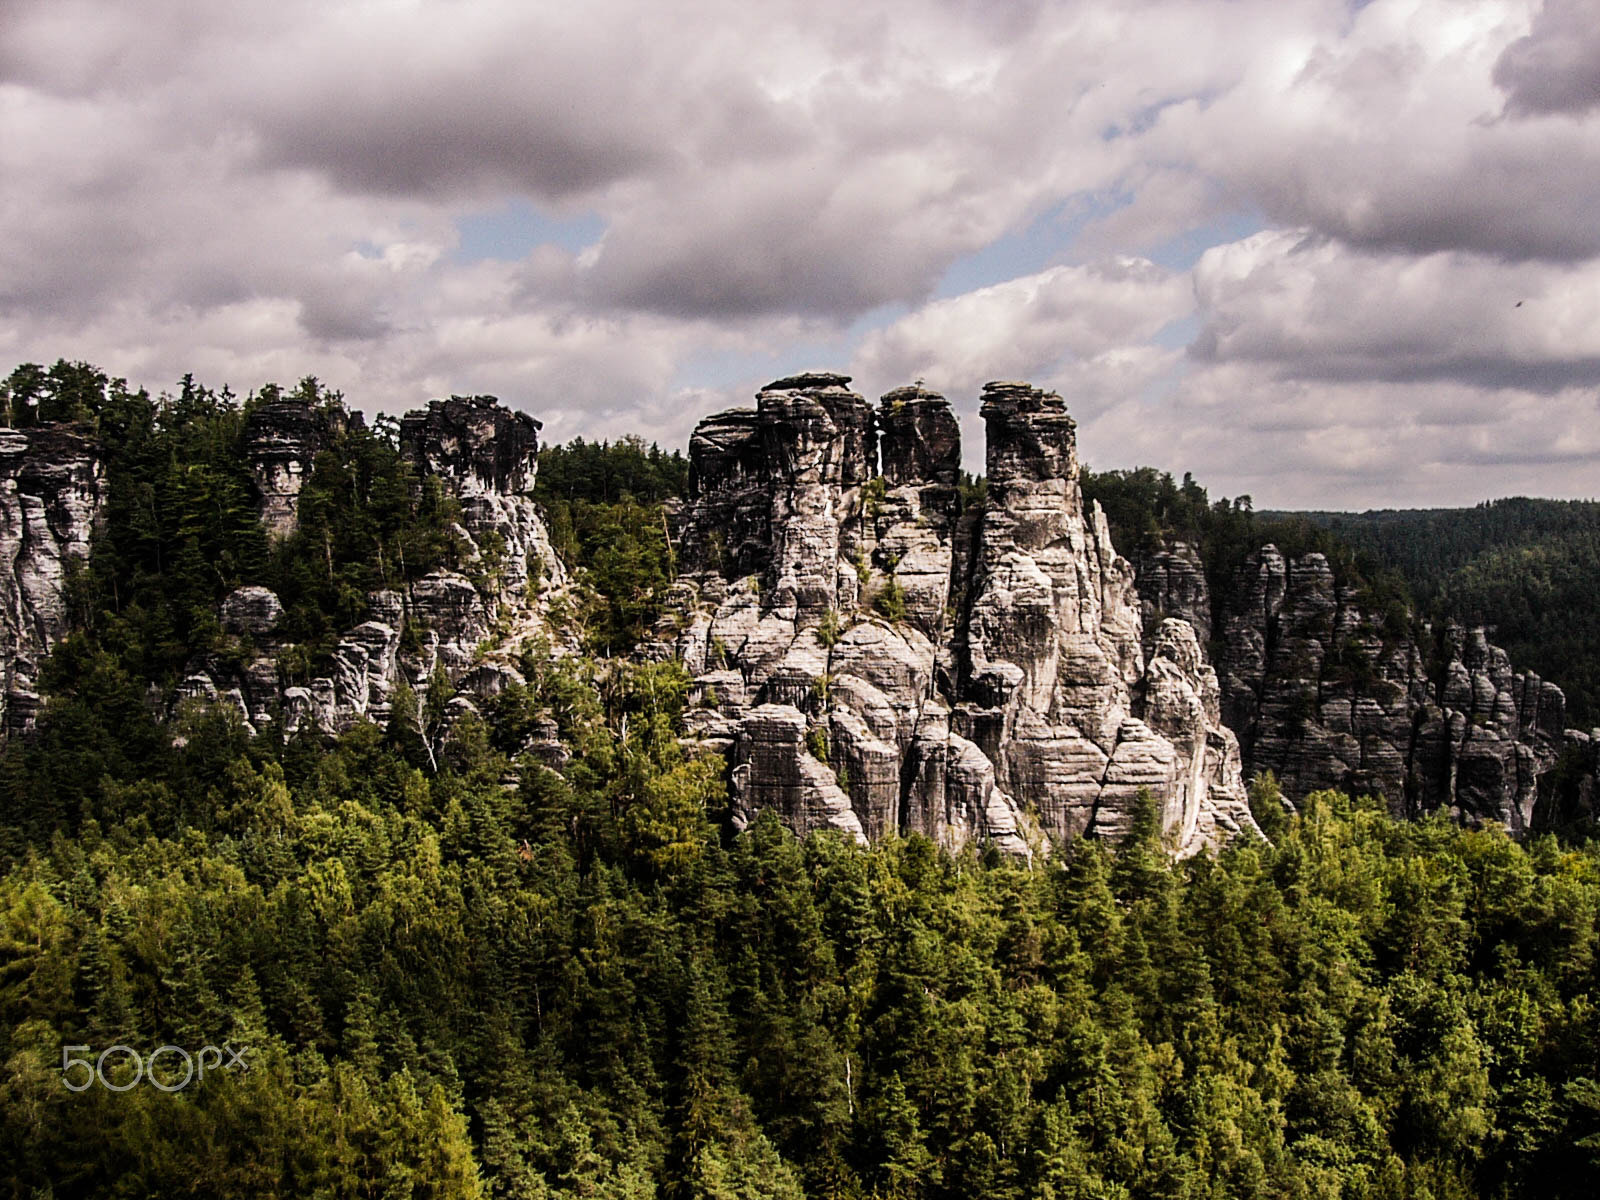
(1145, 118)
(1177, 334)
(511, 231)
(1044, 242)
(1180, 253)
(720, 368)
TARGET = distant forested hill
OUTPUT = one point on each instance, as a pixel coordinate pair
(1528, 568)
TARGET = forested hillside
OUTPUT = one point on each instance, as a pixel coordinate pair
(181, 528)
(522, 953)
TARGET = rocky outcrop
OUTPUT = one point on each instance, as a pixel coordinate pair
(1569, 793)
(282, 438)
(52, 488)
(1172, 583)
(1051, 679)
(489, 457)
(1325, 693)
(467, 622)
(875, 660)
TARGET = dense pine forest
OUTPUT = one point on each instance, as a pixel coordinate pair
(581, 986)
(472, 975)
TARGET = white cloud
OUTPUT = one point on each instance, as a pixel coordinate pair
(1315, 309)
(250, 191)
(1069, 319)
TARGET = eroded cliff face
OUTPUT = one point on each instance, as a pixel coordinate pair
(1321, 694)
(52, 488)
(873, 659)
(468, 622)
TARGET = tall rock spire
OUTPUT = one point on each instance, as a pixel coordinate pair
(872, 673)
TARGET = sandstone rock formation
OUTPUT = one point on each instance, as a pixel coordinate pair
(1570, 792)
(1323, 694)
(1172, 583)
(52, 487)
(467, 622)
(489, 456)
(873, 659)
(873, 654)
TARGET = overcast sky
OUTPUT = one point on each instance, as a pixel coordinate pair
(1327, 253)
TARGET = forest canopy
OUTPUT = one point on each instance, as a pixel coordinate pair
(459, 971)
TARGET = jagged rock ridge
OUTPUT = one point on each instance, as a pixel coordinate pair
(1325, 693)
(871, 656)
(52, 493)
(874, 659)
(469, 624)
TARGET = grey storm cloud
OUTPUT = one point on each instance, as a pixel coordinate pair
(1387, 136)
(1556, 67)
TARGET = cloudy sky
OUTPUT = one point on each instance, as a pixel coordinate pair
(1324, 252)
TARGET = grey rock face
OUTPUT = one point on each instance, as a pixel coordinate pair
(970, 678)
(1051, 676)
(776, 770)
(489, 456)
(1570, 793)
(281, 443)
(1321, 696)
(250, 611)
(52, 488)
(1172, 583)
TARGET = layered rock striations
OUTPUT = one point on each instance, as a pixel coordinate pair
(873, 654)
(1172, 583)
(488, 456)
(1052, 680)
(875, 660)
